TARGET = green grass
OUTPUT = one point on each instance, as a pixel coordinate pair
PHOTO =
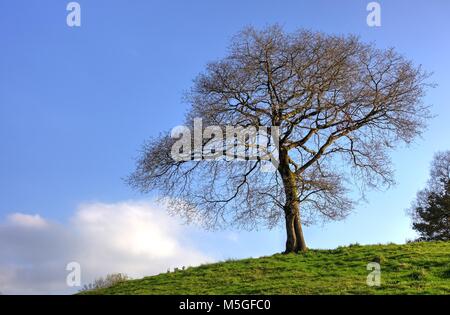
(415, 268)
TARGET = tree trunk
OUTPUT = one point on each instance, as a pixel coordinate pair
(291, 240)
(301, 244)
(295, 241)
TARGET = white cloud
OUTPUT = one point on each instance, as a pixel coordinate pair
(136, 238)
(27, 220)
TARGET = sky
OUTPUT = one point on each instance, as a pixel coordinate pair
(76, 104)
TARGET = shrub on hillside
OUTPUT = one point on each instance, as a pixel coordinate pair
(108, 281)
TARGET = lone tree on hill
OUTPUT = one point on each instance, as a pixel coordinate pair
(339, 105)
(431, 210)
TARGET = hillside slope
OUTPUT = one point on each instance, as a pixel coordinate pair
(416, 268)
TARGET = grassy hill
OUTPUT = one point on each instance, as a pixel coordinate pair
(415, 268)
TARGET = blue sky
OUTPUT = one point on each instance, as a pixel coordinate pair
(77, 103)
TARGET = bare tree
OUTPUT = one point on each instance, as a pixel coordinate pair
(339, 104)
(439, 172)
(439, 177)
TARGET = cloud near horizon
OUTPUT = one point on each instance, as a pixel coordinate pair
(136, 238)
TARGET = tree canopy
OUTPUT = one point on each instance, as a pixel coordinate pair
(431, 210)
(338, 104)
